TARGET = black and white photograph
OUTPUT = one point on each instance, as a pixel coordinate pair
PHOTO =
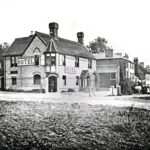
(75, 75)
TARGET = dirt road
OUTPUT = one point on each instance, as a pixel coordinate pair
(79, 97)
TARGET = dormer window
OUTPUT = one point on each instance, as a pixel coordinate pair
(76, 61)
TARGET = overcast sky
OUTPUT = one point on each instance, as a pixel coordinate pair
(125, 24)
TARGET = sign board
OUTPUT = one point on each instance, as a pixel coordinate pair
(69, 70)
(25, 62)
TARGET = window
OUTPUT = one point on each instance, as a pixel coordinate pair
(42, 59)
(127, 75)
(127, 64)
(37, 56)
(0, 65)
(89, 63)
(77, 80)
(64, 79)
(37, 79)
(131, 75)
(14, 72)
(113, 76)
(47, 60)
(53, 59)
(76, 61)
(14, 81)
(13, 61)
(62, 60)
(37, 60)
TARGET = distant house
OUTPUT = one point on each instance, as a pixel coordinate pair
(2, 69)
(112, 68)
(141, 72)
(48, 62)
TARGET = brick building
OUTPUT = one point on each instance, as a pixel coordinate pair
(49, 63)
(142, 72)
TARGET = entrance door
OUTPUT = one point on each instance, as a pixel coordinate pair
(52, 82)
(2, 83)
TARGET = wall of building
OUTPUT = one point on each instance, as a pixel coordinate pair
(25, 73)
(71, 72)
(129, 70)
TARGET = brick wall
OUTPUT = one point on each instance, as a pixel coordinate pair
(25, 73)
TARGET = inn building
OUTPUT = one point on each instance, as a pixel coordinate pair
(46, 62)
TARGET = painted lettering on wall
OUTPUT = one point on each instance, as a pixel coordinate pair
(25, 62)
(70, 70)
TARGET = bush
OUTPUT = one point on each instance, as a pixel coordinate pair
(71, 90)
(126, 87)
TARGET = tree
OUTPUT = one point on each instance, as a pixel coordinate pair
(98, 45)
(1, 47)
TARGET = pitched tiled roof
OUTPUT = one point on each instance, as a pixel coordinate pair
(68, 47)
(142, 69)
(62, 45)
(18, 46)
(1, 54)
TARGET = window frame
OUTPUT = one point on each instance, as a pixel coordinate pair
(14, 80)
(53, 56)
(64, 80)
(64, 60)
(113, 73)
(13, 61)
(77, 80)
(37, 62)
(37, 54)
(77, 62)
(37, 81)
(90, 63)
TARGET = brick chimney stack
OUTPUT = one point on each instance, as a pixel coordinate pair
(80, 36)
(142, 64)
(136, 68)
(53, 27)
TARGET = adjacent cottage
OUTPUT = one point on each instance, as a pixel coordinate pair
(112, 69)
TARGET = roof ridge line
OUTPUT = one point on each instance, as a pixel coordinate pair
(59, 38)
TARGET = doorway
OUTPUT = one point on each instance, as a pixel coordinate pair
(2, 83)
(52, 83)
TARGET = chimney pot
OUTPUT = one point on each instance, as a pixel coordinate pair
(53, 27)
(80, 36)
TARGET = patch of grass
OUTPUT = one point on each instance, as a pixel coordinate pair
(44, 126)
(145, 98)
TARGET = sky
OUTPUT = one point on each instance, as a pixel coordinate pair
(125, 24)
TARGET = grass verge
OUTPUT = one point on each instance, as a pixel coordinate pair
(44, 126)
